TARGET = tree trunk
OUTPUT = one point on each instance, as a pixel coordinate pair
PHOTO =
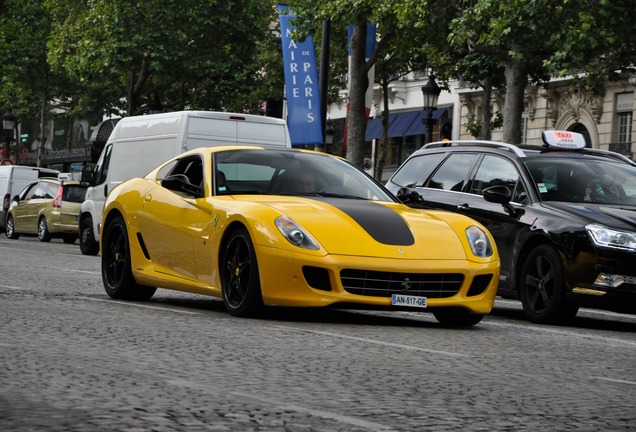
(381, 150)
(358, 83)
(516, 80)
(485, 133)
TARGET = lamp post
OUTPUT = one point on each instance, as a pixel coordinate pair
(8, 125)
(431, 92)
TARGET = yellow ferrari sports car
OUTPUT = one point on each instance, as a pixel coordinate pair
(260, 228)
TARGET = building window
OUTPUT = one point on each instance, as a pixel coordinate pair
(524, 127)
(624, 116)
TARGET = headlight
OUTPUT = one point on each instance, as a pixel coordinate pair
(478, 241)
(605, 237)
(295, 234)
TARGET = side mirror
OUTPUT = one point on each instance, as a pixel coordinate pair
(86, 177)
(409, 196)
(16, 198)
(181, 183)
(501, 195)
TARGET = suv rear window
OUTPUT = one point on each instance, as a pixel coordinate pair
(74, 193)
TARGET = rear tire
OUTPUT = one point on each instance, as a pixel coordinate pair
(542, 288)
(10, 229)
(117, 276)
(43, 230)
(240, 278)
(87, 242)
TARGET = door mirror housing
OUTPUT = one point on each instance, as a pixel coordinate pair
(181, 183)
(501, 195)
(409, 196)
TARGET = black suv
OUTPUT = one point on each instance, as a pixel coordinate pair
(563, 216)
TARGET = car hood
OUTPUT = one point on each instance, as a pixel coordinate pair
(366, 228)
(613, 216)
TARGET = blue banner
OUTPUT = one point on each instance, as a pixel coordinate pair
(301, 85)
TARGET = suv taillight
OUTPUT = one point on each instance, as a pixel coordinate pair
(5, 202)
(57, 202)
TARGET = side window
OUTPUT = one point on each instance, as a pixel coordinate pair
(497, 171)
(191, 167)
(102, 169)
(51, 190)
(39, 191)
(416, 169)
(454, 172)
(28, 193)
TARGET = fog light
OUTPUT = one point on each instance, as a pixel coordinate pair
(609, 280)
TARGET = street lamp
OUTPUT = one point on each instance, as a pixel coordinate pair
(8, 125)
(431, 92)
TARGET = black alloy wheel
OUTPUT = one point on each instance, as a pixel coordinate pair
(240, 277)
(542, 287)
(88, 245)
(117, 276)
(43, 230)
(10, 229)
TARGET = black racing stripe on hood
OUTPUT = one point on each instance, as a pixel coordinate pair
(382, 223)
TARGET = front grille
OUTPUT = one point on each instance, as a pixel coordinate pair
(384, 284)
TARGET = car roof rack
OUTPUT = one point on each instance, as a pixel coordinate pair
(481, 143)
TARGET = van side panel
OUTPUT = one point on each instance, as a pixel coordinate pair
(136, 158)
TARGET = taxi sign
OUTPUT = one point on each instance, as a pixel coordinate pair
(564, 140)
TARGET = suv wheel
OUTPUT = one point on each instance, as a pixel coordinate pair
(542, 287)
(87, 242)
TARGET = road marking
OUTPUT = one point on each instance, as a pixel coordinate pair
(72, 270)
(377, 342)
(251, 398)
(615, 380)
(568, 333)
(11, 287)
(139, 305)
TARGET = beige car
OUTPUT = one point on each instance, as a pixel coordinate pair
(47, 208)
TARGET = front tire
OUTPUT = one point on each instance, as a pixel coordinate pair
(452, 317)
(9, 229)
(240, 279)
(117, 276)
(43, 231)
(88, 245)
(542, 288)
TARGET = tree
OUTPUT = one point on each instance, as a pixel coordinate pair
(29, 85)
(180, 53)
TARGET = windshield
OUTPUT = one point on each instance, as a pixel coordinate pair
(584, 180)
(273, 172)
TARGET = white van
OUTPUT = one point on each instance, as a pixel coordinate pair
(139, 144)
(14, 178)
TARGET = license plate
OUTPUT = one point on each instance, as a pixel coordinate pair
(407, 300)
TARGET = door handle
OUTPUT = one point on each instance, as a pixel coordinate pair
(148, 198)
(464, 206)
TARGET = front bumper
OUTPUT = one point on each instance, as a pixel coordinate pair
(297, 279)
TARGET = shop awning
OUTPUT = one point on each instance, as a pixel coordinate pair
(400, 124)
(374, 127)
(417, 127)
